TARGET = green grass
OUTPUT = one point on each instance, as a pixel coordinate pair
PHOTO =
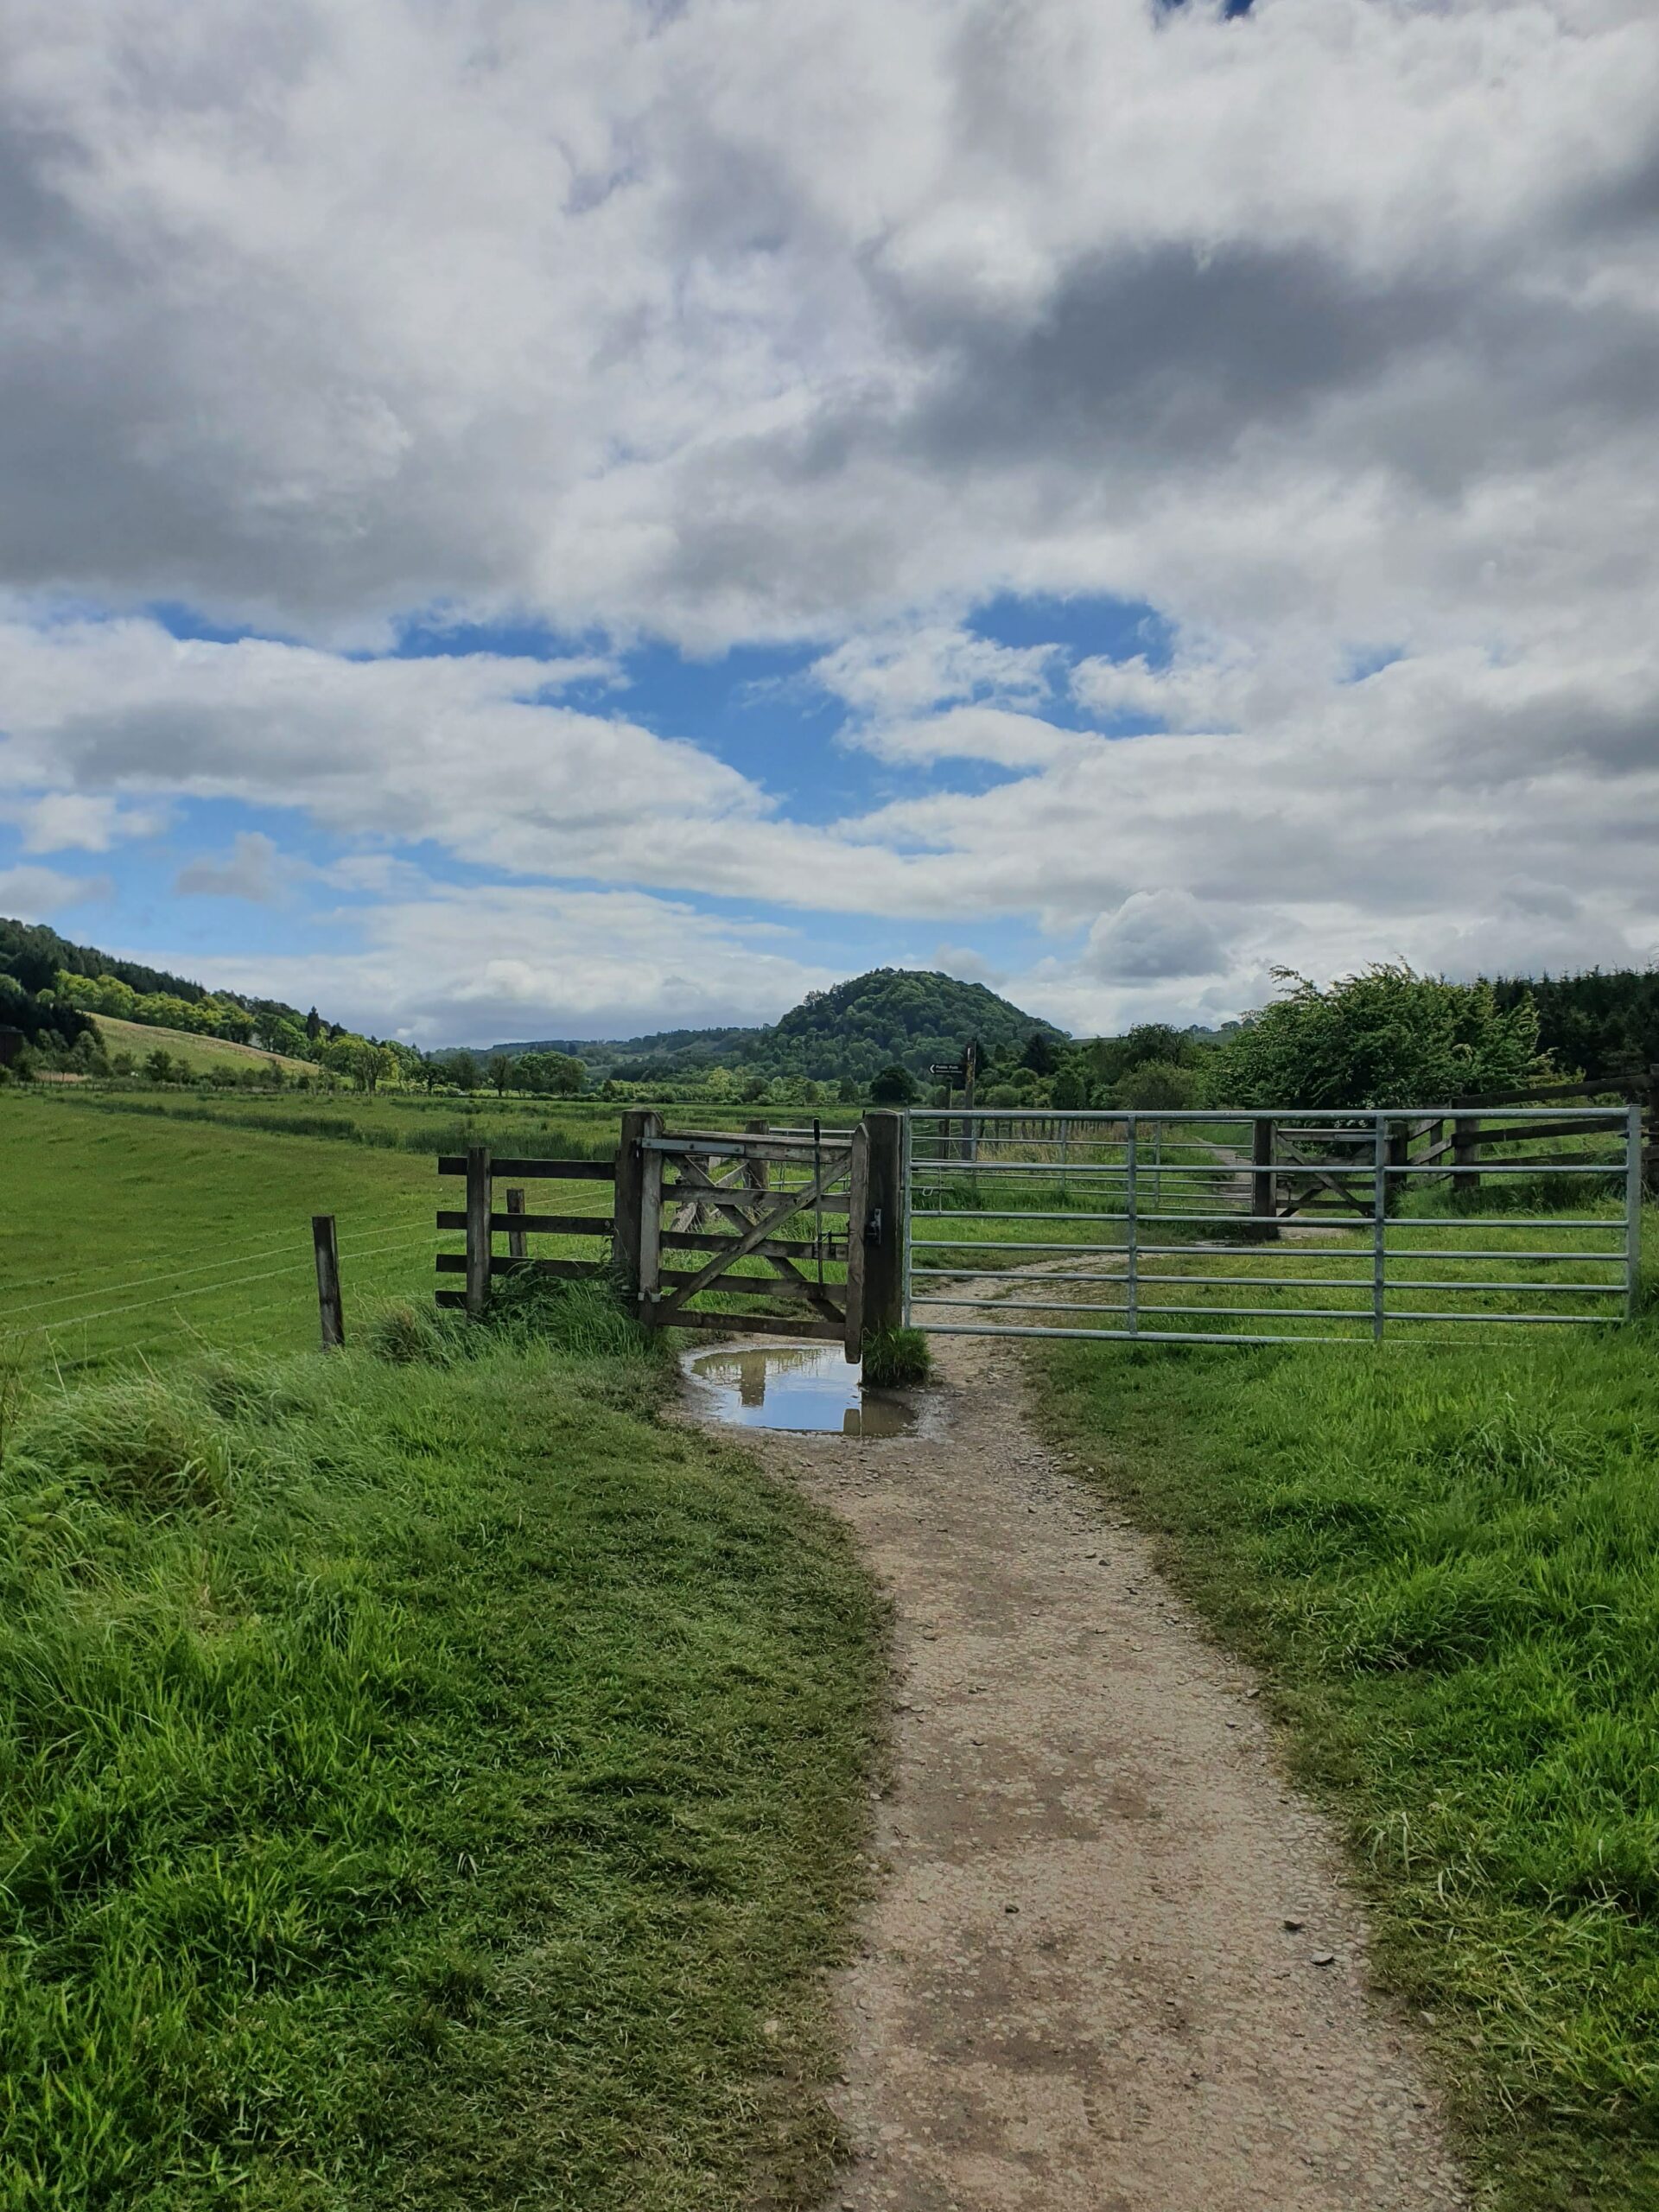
(125, 1235)
(394, 1120)
(895, 1359)
(197, 1053)
(1448, 1562)
(428, 1781)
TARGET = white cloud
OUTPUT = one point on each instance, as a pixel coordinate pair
(481, 966)
(917, 668)
(252, 869)
(30, 894)
(730, 322)
(86, 822)
(1155, 936)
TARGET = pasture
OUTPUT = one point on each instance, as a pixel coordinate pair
(465, 1783)
(201, 1055)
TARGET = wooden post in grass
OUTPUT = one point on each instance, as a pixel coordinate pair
(638, 1207)
(882, 1231)
(1465, 1150)
(1264, 1203)
(479, 1240)
(755, 1171)
(329, 1308)
(1399, 1149)
(517, 1243)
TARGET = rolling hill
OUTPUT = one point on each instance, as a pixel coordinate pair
(904, 1015)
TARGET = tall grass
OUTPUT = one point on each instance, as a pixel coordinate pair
(427, 1781)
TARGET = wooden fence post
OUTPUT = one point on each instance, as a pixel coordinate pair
(885, 1202)
(756, 1173)
(640, 1209)
(630, 1166)
(328, 1302)
(480, 1243)
(1399, 1155)
(1465, 1150)
(517, 1243)
(651, 1221)
(1264, 1200)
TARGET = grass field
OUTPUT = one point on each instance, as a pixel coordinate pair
(1448, 1563)
(425, 1785)
(130, 1235)
(199, 1054)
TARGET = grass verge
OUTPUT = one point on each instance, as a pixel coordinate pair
(429, 1781)
(1448, 1562)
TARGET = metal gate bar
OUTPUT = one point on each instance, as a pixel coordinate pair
(1370, 1201)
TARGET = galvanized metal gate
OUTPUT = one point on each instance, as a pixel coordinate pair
(1269, 1228)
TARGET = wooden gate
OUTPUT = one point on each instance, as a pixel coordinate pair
(760, 1218)
(809, 1221)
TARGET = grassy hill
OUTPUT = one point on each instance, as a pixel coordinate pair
(199, 1054)
(910, 1016)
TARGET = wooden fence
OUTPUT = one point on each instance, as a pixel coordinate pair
(819, 1212)
(480, 1263)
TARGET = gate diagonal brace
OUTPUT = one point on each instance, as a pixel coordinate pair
(692, 1171)
(1328, 1178)
(755, 1230)
(688, 1216)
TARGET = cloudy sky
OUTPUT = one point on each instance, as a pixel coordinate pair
(541, 520)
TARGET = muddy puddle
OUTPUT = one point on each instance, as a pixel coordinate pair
(793, 1386)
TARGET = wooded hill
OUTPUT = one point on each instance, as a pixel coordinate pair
(890, 1017)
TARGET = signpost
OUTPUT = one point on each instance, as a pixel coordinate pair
(958, 1075)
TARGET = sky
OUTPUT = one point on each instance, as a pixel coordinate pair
(568, 521)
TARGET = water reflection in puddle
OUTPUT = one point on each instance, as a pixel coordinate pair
(794, 1386)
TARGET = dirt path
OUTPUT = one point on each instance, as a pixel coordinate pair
(1080, 1987)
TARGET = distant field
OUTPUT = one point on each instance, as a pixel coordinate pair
(198, 1053)
(127, 1233)
(397, 1119)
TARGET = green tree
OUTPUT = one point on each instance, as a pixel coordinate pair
(1155, 1084)
(1385, 1036)
(501, 1072)
(894, 1086)
(1070, 1090)
(1039, 1055)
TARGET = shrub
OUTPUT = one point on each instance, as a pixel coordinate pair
(1386, 1037)
(1155, 1084)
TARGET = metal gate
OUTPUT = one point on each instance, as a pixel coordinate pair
(1199, 1227)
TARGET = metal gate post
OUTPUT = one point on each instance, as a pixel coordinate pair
(1633, 1210)
(1133, 1290)
(905, 1172)
(1380, 1224)
(1264, 1201)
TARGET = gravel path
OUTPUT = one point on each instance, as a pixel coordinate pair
(1111, 1966)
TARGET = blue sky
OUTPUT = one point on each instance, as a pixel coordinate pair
(523, 525)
